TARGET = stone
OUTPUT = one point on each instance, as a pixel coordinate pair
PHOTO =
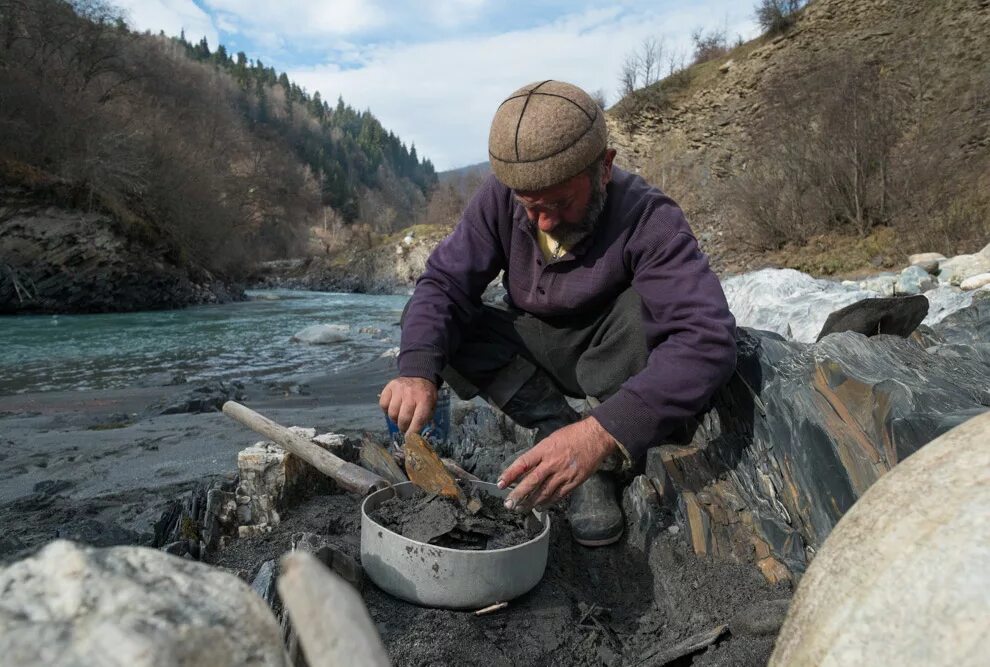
(914, 280)
(908, 587)
(787, 302)
(759, 619)
(641, 506)
(896, 316)
(98, 533)
(264, 582)
(209, 397)
(804, 430)
(726, 66)
(220, 517)
(944, 300)
(975, 282)
(883, 284)
(270, 480)
(322, 334)
(73, 605)
(957, 269)
(928, 261)
(347, 568)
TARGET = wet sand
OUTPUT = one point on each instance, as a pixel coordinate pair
(103, 464)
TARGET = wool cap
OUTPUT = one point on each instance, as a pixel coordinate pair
(545, 133)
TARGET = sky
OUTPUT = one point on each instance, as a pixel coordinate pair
(434, 71)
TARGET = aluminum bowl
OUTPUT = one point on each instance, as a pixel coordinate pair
(449, 578)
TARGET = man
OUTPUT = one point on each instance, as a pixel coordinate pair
(608, 297)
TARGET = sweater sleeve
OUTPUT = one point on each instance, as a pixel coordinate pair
(448, 294)
(689, 329)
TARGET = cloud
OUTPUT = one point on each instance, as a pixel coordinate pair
(172, 16)
(441, 94)
(290, 19)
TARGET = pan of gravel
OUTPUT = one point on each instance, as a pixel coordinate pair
(431, 551)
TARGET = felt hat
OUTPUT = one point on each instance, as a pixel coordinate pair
(545, 133)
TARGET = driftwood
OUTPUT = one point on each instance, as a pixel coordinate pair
(328, 615)
(349, 476)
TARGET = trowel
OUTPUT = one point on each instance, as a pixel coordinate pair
(427, 471)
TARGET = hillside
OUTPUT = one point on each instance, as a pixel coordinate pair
(881, 104)
(199, 162)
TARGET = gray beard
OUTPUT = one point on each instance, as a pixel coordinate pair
(569, 235)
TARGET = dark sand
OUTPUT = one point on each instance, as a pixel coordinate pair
(99, 467)
(610, 606)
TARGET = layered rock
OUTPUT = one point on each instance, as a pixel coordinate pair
(72, 605)
(56, 260)
(802, 431)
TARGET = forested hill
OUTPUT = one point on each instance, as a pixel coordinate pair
(212, 159)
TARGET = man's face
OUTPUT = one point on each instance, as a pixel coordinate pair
(564, 210)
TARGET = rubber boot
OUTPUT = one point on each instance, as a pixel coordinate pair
(594, 513)
(539, 404)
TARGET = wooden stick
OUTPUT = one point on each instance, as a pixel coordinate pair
(328, 615)
(491, 609)
(349, 476)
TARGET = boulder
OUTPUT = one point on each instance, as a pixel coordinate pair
(884, 284)
(896, 316)
(928, 261)
(323, 334)
(802, 431)
(945, 300)
(975, 282)
(957, 269)
(71, 605)
(914, 280)
(903, 578)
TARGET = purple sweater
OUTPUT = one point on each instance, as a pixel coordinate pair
(641, 239)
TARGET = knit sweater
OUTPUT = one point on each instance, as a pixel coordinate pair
(641, 239)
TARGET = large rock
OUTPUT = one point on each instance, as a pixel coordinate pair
(802, 431)
(323, 334)
(903, 578)
(957, 269)
(70, 605)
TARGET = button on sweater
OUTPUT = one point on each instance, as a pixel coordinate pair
(641, 239)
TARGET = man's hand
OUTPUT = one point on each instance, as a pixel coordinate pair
(409, 402)
(557, 465)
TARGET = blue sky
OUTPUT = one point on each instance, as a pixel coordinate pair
(434, 72)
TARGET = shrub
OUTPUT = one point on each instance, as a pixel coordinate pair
(777, 16)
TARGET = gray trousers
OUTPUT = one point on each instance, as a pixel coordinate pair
(586, 354)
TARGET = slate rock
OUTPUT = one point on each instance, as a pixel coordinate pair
(98, 534)
(897, 316)
(264, 582)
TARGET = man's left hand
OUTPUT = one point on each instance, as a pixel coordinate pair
(557, 465)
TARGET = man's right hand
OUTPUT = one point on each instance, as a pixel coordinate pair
(409, 402)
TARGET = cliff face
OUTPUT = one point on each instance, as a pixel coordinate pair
(61, 260)
(707, 129)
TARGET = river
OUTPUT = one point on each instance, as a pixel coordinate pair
(229, 341)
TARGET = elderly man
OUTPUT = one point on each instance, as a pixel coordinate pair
(608, 298)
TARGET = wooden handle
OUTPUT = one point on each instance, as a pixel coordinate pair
(351, 477)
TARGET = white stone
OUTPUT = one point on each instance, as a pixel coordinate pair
(408, 239)
(883, 284)
(269, 477)
(943, 301)
(323, 334)
(925, 258)
(975, 282)
(786, 301)
(914, 280)
(903, 578)
(70, 605)
(954, 271)
(329, 441)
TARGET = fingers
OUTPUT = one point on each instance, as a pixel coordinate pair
(385, 397)
(421, 417)
(406, 412)
(529, 486)
(518, 467)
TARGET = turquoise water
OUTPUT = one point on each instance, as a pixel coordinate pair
(230, 341)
